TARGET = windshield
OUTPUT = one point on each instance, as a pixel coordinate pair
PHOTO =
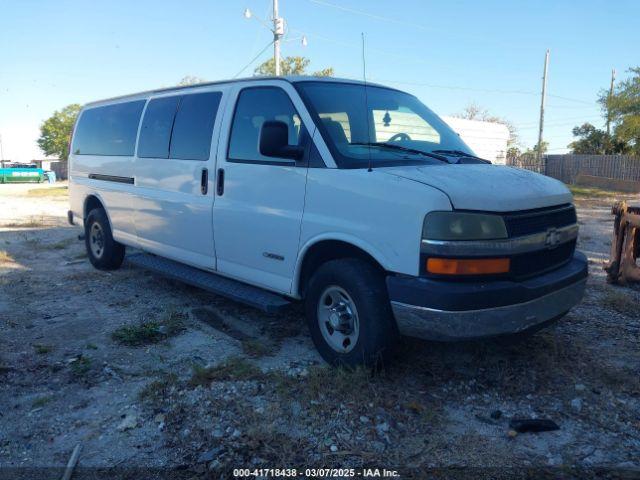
(391, 127)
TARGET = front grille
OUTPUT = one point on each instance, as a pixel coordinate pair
(535, 263)
(534, 221)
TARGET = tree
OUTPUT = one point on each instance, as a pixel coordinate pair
(55, 132)
(534, 150)
(190, 80)
(623, 107)
(592, 140)
(513, 153)
(291, 66)
(476, 112)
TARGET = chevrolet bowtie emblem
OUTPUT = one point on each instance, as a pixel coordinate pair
(552, 239)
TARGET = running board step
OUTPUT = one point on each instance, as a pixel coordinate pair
(225, 287)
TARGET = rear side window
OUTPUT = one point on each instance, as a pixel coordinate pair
(193, 126)
(108, 130)
(155, 132)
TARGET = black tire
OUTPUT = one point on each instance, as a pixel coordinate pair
(365, 287)
(111, 253)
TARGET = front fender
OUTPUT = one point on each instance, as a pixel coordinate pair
(335, 236)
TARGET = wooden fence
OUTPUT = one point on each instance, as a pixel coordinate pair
(61, 169)
(567, 167)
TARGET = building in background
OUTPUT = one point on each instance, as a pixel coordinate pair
(487, 139)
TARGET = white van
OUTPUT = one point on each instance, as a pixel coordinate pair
(354, 198)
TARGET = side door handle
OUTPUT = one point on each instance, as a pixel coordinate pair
(204, 181)
(220, 182)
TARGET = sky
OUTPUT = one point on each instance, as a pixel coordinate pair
(448, 53)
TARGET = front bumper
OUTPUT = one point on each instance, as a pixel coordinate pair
(445, 310)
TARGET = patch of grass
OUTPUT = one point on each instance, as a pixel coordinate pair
(234, 369)
(61, 245)
(150, 331)
(48, 192)
(256, 348)
(356, 384)
(42, 349)
(33, 222)
(33, 242)
(5, 257)
(85, 275)
(41, 401)
(158, 389)
(580, 191)
(621, 302)
(81, 366)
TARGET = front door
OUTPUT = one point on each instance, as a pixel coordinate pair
(260, 200)
(174, 164)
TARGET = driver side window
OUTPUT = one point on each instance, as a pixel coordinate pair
(255, 106)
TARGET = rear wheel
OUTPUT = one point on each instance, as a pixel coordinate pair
(103, 251)
(348, 313)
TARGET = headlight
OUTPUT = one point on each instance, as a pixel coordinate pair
(463, 226)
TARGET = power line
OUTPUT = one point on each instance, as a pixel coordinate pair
(570, 99)
(480, 90)
(560, 119)
(370, 15)
(253, 59)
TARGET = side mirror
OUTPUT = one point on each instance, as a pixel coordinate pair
(274, 141)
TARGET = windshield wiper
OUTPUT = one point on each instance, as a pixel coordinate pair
(403, 149)
(460, 153)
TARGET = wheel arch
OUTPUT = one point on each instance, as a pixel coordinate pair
(94, 200)
(320, 250)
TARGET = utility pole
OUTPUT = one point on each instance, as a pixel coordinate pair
(277, 29)
(278, 32)
(1, 150)
(613, 79)
(542, 102)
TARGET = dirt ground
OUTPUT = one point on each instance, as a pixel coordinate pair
(147, 373)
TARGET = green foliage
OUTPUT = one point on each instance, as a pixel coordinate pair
(291, 66)
(190, 80)
(55, 132)
(623, 108)
(592, 140)
(543, 150)
(150, 331)
(234, 369)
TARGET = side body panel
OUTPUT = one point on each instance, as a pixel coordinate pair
(110, 179)
(173, 217)
(257, 219)
(379, 213)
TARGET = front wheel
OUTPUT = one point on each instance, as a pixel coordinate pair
(103, 251)
(348, 313)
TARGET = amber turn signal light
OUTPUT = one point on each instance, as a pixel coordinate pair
(468, 266)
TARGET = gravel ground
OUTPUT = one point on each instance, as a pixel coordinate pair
(147, 373)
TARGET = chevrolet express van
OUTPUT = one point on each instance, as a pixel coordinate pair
(353, 198)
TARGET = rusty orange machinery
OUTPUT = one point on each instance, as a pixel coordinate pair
(625, 245)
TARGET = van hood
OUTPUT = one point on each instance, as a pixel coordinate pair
(491, 188)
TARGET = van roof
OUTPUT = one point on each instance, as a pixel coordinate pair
(287, 78)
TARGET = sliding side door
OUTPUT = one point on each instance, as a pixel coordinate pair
(175, 160)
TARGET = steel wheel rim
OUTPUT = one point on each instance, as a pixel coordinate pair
(96, 240)
(338, 319)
